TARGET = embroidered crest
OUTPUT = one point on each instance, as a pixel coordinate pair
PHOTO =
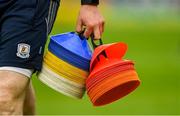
(23, 50)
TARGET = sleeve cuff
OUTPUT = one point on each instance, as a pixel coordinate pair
(91, 2)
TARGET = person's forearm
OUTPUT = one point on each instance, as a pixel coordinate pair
(89, 2)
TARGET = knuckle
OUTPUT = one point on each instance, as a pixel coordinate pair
(93, 23)
(97, 36)
(77, 30)
(90, 25)
(97, 23)
(101, 21)
(86, 34)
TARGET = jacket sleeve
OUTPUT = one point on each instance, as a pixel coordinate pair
(86, 2)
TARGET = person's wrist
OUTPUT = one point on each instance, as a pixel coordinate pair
(89, 2)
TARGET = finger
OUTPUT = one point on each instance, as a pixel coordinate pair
(101, 27)
(79, 26)
(88, 31)
(97, 32)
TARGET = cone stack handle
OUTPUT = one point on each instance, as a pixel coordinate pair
(93, 41)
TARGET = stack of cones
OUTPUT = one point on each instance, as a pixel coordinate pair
(69, 60)
(66, 64)
(111, 77)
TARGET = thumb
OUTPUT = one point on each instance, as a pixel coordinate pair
(79, 26)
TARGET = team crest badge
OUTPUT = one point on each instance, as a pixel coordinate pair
(23, 50)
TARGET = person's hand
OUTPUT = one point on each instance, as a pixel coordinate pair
(91, 18)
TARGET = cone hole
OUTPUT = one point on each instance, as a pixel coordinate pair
(117, 93)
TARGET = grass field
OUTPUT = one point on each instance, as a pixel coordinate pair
(154, 45)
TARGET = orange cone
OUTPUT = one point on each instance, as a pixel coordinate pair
(111, 77)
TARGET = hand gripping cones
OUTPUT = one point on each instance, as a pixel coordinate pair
(111, 77)
(66, 64)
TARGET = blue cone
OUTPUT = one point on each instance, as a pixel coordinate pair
(71, 48)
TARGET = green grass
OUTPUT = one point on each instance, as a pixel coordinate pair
(154, 45)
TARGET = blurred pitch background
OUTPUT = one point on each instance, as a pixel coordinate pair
(151, 28)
